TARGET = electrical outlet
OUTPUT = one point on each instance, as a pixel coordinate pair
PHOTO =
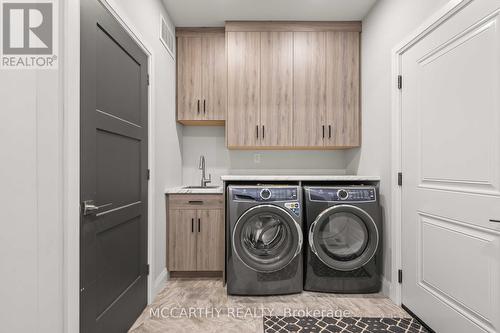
(256, 158)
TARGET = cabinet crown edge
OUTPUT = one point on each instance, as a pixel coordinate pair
(292, 26)
(199, 31)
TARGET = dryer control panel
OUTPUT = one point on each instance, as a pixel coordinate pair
(265, 194)
(349, 194)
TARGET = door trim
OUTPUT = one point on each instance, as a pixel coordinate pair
(433, 22)
(71, 155)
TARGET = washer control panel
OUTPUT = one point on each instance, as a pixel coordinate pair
(348, 194)
(265, 194)
(294, 207)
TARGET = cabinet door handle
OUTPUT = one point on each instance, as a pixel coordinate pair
(329, 131)
(199, 224)
(198, 106)
(204, 106)
(195, 202)
(257, 131)
(494, 221)
(263, 132)
(323, 131)
(192, 225)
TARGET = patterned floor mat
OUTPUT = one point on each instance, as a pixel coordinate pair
(279, 324)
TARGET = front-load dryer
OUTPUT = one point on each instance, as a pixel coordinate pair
(264, 240)
(344, 235)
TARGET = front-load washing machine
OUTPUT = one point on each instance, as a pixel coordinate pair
(344, 234)
(264, 240)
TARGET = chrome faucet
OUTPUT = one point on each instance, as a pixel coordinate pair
(204, 180)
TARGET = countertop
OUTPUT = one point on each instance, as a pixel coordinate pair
(183, 190)
(299, 178)
(219, 189)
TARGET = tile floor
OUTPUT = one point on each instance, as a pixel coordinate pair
(202, 305)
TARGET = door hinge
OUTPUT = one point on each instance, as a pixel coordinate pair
(400, 276)
(147, 79)
(148, 174)
(400, 179)
(147, 269)
(400, 82)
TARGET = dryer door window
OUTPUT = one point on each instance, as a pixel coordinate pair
(344, 237)
(266, 238)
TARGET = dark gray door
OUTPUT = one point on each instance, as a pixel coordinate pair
(113, 253)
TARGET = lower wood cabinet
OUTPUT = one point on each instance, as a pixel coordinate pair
(195, 233)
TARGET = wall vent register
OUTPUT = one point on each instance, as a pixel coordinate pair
(167, 36)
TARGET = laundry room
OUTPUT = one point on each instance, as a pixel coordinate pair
(255, 166)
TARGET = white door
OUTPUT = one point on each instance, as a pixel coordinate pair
(451, 172)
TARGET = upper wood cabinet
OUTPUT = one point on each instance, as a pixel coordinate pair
(293, 85)
(326, 89)
(243, 93)
(342, 86)
(201, 76)
(276, 89)
(189, 94)
(260, 89)
(309, 92)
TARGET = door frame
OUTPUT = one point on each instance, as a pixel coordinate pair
(71, 152)
(429, 25)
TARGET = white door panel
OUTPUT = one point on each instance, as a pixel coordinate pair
(451, 167)
(460, 132)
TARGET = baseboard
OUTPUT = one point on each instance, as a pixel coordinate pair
(160, 282)
(195, 274)
(418, 319)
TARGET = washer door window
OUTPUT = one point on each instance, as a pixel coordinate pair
(344, 237)
(266, 238)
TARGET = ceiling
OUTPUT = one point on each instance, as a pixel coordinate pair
(210, 13)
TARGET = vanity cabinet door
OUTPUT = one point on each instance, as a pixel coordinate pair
(182, 240)
(210, 242)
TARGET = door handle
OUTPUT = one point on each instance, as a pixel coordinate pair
(329, 131)
(88, 207)
(204, 106)
(198, 106)
(257, 130)
(494, 221)
(199, 224)
(192, 225)
(323, 131)
(263, 132)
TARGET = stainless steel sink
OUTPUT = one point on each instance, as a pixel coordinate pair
(200, 187)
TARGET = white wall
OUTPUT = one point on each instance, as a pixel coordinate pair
(386, 25)
(31, 237)
(32, 119)
(209, 141)
(166, 171)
